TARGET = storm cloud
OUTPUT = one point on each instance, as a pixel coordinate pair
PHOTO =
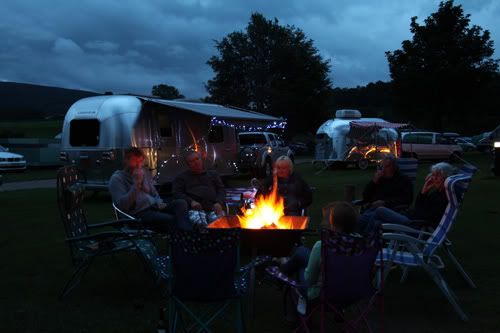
(128, 46)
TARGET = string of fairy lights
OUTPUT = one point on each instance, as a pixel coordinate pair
(214, 121)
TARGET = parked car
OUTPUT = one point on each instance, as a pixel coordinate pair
(298, 147)
(430, 145)
(259, 150)
(466, 145)
(10, 161)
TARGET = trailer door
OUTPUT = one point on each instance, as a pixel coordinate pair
(224, 152)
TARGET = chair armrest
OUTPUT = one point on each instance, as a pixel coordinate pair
(97, 237)
(403, 228)
(275, 273)
(359, 202)
(409, 240)
(114, 223)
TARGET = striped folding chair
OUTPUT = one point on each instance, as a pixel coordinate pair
(412, 248)
(408, 166)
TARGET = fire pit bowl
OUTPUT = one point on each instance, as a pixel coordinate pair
(267, 241)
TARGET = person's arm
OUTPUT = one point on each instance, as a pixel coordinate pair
(264, 189)
(179, 189)
(219, 188)
(305, 194)
(313, 269)
(124, 198)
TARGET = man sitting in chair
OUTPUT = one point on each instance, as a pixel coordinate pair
(388, 188)
(133, 192)
(291, 187)
(202, 189)
(429, 206)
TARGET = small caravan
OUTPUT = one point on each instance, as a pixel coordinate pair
(97, 130)
(351, 139)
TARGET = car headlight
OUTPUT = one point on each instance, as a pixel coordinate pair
(496, 144)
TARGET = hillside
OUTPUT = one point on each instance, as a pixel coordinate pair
(21, 101)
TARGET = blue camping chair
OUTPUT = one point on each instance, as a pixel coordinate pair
(412, 248)
(205, 269)
(347, 263)
(85, 246)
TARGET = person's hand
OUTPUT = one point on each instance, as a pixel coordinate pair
(161, 205)
(138, 176)
(218, 209)
(429, 183)
(195, 205)
(378, 203)
(377, 176)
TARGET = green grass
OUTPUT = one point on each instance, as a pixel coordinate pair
(29, 174)
(116, 295)
(46, 129)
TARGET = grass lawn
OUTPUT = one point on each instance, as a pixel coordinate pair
(29, 174)
(116, 295)
(46, 129)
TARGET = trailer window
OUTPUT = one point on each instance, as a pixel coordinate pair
(252, 139)
(216, 134)
(84, 132)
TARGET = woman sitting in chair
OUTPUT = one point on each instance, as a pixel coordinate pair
(429, 206)
(291, 187)
(338, 216)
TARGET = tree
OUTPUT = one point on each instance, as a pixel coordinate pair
(439, 74)
(166, 91)
(272, 69)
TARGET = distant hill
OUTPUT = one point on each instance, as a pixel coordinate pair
(21, 101)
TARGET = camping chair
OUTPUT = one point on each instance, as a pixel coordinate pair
(407, 166)
(205, 269)
(412, 248)
(347, 263)
(84, 246)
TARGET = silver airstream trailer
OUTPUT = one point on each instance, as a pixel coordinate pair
(97, 130)
(351, 139)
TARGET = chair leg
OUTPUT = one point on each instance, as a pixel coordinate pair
(240, 326)
(460, 269)
(76, 278)
(443, 286)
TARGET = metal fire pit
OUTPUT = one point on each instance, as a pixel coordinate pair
(269, 242)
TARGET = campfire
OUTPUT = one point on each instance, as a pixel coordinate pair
(265, 213)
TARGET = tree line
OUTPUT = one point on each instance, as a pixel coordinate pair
(443, 79)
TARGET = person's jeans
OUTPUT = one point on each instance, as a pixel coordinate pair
(373, 218)
(173, 215)
(297, 264)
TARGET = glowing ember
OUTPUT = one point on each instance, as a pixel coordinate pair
(267, 212)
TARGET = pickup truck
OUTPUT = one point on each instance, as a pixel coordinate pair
(259, 150)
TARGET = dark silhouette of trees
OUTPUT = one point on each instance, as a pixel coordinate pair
(441, 76)
(272, 69)
(166, 91)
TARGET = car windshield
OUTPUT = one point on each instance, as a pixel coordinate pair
(2, 149)
(252, 139)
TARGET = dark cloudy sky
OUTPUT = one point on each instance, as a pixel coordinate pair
(128, 46)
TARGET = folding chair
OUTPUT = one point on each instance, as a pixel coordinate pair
(347, 263)
(205, 270)
(84, 246)
(412, 248)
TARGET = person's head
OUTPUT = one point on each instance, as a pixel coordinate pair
(389, 167)
(340, 216)
(133, 159)
(283, 167)
(194, 162)
(439, 173)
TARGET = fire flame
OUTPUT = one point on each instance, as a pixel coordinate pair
(267, 212)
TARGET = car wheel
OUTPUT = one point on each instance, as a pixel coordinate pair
(363, 164)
